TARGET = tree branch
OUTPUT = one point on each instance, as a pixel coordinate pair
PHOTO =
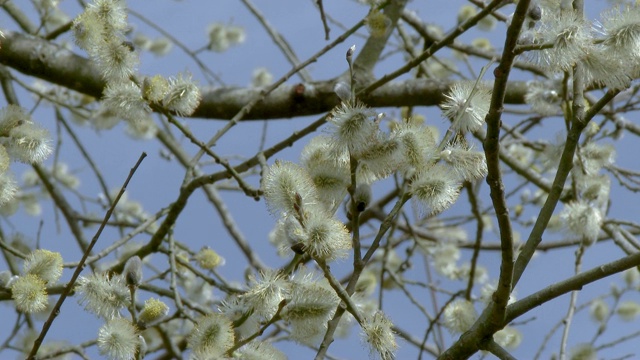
(573, 283)
(50, 62)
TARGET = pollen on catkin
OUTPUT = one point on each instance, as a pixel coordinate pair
(29, 293)
(45, 264)
(377, 23)
(153, 310)
(155, 88)
(208, 259)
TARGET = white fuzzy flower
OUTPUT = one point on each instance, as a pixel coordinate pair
(467, 106)
(417, 145)
(118, 339)
(353, 127)
(509, 337)
(221, 36)
(115, 58)
(288, 188)
(241, 312)
(259, 350)
(261, 77)
(212, 337)
(437, 188)
(583, 219)
(583, 352)
(459, 316)
(599, 310)
(45, 264)
(468, 165)
(183, 95)
(22, 139)
(621, 27)
(628, 310)
(265, 292)
(125, 100)
(103, 295)
(378, 334)
(329, 171)
(570, 37)
(8, 190)
(312, 304)
(594, 156)
(604, 67)
(326, 238)
(29, 293)
(161, 46)
(543, 97)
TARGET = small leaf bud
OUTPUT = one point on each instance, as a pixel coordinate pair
(535, 12)
(350, 52)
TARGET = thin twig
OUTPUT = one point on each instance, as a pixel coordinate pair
(279, 40)
(264, 327)
(323, 17)
(473, 201)
(576, 282)
(266, 91)
(56, 309)
(568, 319)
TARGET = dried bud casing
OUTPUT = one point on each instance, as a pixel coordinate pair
(343, 91)
(362, 196)
(133, 271)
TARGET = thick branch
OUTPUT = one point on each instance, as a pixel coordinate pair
(45, 60)
(573, 283)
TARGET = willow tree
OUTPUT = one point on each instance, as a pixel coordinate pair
(431, 165)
